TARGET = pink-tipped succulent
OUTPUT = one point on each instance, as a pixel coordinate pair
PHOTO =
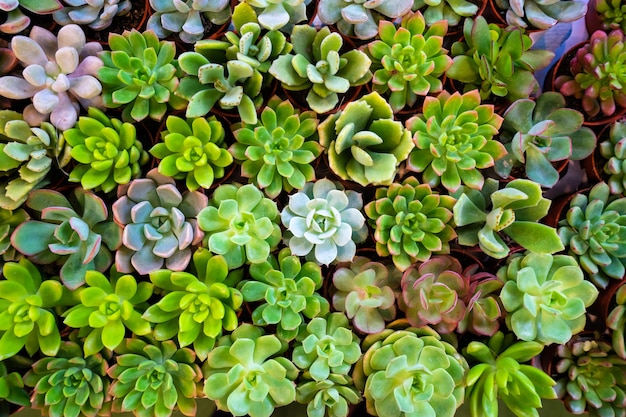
(14, 20)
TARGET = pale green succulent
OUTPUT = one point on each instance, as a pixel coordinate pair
(614, 151)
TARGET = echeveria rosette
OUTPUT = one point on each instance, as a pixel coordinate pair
(98, 14)
(538, 132)
(81, 236)
(193, 150)
(70, 384)
(28, 155)
(331, 397)
(546, 296)
(12, 390)
(483, 217)
(453, 139)
(159, 224)
(591, 377)
(27, 318)
(539, 14)
(15, 21)
(363, 141)
(360, 17)
(140, 75)
(58, 76)
(278, 14)
(248, 355)
(287, 291)
(452, 11)
(498, 372)
(186, 18)
(108, 306)
(152, 379)
(108, 151)
(366, 293)
(196, 307)
(408, 61)
(411, 222)
(232, 84)
(497, 61)
(616, 321)
(240, 224)
(276, 153)
(324, 222)
(597, 75)
(614, 151)
(317, 64)
(433, 294)
(594, 230)
(411, 372)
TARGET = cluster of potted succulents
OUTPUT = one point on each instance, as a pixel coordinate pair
(338, 204)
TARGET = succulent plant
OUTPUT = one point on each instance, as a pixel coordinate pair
(483, 311)
(15, 21)
(540, 14)
(186, 17)
(591, 378)
(616, 321)
(411, 222)
(409, 61)
(97, 14)
(614, 151)
(411, 372)
(276, 152)
(108, 151)
(245, 356)
(546, 296)
(499, 372)
(453, 11)
(453, 139)
(332, 396)
(612, 14)
(9, 220)
(140, 75)
(234, 84)
(363, 141)
(80, 236)
(59, 74)
(240, 224)
(317, 64)
(491, 217)
(193, 150)
(107, 307)
(26, 304)
(69, 385)
(366, 292)
(597, 77)
(12, 390)
(8, 60)
(152, 379)
(277, 14)
(324, 222)
(594, 230)
(159, 224)
(196, 307)
(360, 17)
(497, 61)
(27, 155)
(538, 132)
(287, 291)
(434, 293)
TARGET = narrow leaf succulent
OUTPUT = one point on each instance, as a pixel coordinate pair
(108, 151)
(159, 224)
(411, 222)
(193, 150)
(276, 153)
(453, 139)
(59, 74)
(81, 236)
(612, 14)
(363, 141)
(324, 222)
(287, 290)
(98, 14)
